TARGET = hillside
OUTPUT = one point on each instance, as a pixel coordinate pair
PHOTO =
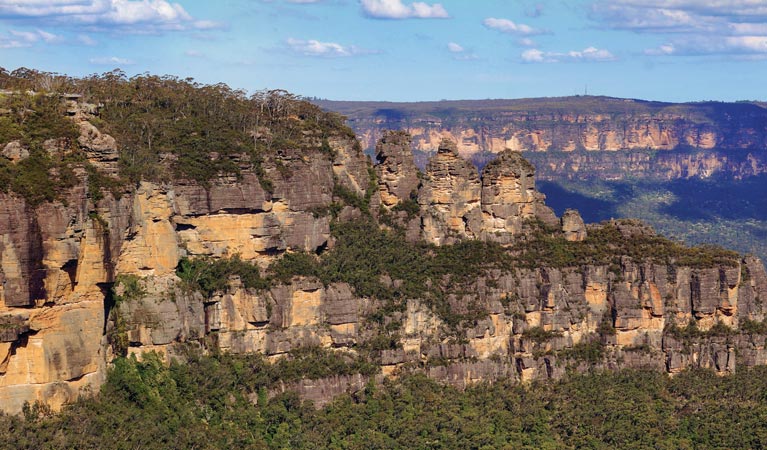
(251, 237)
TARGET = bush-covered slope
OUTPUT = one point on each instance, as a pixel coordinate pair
(165, 127)
(226, 401)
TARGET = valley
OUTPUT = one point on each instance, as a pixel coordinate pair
(694, 171)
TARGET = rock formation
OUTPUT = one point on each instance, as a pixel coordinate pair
(396, 170)
(573, 227)
(83, 276)
(450, 196)
(582, 137)
(509, 197)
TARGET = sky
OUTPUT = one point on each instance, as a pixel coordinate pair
(401, 50)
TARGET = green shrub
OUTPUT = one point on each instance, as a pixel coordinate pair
(539, 335)
(209, 275)
(131, 288)
(590, 350)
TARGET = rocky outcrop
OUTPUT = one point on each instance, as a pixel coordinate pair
(450, 197)
(395, 168)
(58, 262)
(582, 137)
(14, 151)
(85, 277)
(573, 227)
(509, 197)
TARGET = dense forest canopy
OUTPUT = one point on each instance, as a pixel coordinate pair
(226, 401)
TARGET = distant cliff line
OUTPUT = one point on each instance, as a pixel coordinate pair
(566, 124)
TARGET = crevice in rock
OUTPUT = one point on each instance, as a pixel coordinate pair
(109, 302)
(237, 211)
(184, 227)
(70, 267)
(36, 282)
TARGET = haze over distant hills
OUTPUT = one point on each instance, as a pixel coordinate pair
(695, 171)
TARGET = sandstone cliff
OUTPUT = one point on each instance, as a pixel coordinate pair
(86, 276)
(727, 138)
(565, 124)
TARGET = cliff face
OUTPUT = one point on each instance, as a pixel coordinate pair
(648, 165)
(578, 124)
(59, 260)
(566, 124)
(84, 274)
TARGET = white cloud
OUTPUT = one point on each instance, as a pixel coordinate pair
(692, 27)
(23, 39)
(396, 9)
(510, 27)
(86, 40)
(111, 61)
(460, 53)
(735, 46)
(665, 49)
(742, 9)
(589, 54)
(534, 55)
(314, 47)
(527, 42)
(136, 16)
(35, 36)
(454, 48)
(194, 53)
(748, 29)
(750, 44)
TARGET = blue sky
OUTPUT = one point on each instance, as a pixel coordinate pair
(400, 50)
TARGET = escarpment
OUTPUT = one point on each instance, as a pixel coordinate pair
(577, 137)
(591, 123)
(305, 242)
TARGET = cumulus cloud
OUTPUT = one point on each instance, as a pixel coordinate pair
(460, 53)
(111, 61)
(589, 54)
(654, 14)
(137, 16)
(510, 27)
(665, 49)
(534, 55)
(314, 47)
(692, 27)
(735, 46)
(454, 48)
(396, 9)
(23, 39)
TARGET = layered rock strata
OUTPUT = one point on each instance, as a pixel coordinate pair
(582, 137)
(62, 263)
(588, 123)
(397, 173)
(450, 197)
